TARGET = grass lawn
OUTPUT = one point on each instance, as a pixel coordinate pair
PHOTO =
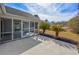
(69, 35)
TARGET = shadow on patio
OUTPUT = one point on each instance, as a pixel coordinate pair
(18, 46)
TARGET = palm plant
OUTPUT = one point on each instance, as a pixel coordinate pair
(44, 26)
(57, 28)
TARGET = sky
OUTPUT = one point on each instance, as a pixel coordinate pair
(51, 11)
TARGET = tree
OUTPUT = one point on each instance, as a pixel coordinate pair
(57, 28)
(44, 26)
(74, 24)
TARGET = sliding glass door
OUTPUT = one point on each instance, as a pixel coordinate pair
(36, 27)
(6, 29)
(32, 27)
(16, 29)
(25, 29)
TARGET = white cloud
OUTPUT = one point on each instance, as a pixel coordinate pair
(49, 11)
(44, 4)
(60, 17)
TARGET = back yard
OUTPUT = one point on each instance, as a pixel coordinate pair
(69, 35)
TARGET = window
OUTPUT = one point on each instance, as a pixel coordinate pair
(31, 26)
(25, 28)
(36, 25)
(6, 29)
(17, 29)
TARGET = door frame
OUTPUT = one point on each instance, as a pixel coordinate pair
(0, 28)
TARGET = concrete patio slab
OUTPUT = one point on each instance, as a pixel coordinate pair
(18, 46)
(52, 47)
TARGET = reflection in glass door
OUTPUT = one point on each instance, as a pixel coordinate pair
(6, 29)
(32, 27)
(25, 29)
(36, 27)
(17, 29)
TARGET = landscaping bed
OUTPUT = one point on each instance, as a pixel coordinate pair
(61, 38)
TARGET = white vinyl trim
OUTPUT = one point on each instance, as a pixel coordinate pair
(38, 28)
(21, 29)
(34, 26)
(0, 29)
(29, 26)
(12, 29)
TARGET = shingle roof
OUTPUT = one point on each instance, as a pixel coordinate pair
(12, 12)
(17, 12)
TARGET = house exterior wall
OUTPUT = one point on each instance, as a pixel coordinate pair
(21, 26)
(31, 28)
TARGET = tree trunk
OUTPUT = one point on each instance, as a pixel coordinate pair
(57, 33)
(43, 31)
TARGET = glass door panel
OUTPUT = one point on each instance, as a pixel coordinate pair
(31, 27)
(17, 29)
(25, 29)
(36, 27)
(6, 29)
